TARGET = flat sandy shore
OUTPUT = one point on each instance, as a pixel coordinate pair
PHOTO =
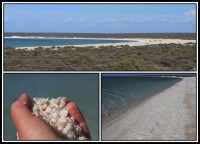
(169, 115)
(140, 42)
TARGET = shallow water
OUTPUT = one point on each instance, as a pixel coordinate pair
(29, 42)
(121, 93)
(80, 88)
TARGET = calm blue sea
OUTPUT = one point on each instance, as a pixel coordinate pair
(80, 88)
(120, 93)
(30, 42)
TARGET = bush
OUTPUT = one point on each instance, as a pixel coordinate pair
(128, 64)
(187, 67)
(153, 57)
(165, 63)
(85, 58)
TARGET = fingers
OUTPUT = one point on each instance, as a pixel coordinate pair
(67, 100)
(30, 127)
(19, 110)
(74, 112)
(25, 99)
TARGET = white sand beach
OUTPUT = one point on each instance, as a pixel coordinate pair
(169, 115)
(140, 42)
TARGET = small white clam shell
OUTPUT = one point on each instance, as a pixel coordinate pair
(71, 135)
(45, 105)
(62, 121)
(54, 115)
(53, 120)
(65, 131)
(48, 110)
(69, 126)
(63, 113)
(60, 128)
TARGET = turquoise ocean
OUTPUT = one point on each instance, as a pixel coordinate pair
(30, 42)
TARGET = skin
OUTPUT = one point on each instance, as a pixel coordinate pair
(31, 127)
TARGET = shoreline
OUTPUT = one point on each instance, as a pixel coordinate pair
(140, 42)
(32, 37)
(114, 116)
(165, 116)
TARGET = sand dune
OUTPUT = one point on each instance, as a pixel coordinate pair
(169, 115)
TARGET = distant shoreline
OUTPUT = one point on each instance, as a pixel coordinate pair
(140, 42)
(106, 35)
(35, 37)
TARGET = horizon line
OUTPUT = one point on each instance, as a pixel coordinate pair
(105, 32)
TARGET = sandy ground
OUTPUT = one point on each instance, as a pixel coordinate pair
(169, 115)
(140, 42)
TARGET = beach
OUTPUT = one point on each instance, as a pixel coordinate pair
(143, 41)
(140, 42)
(169, 115)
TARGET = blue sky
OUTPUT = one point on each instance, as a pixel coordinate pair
(100, 18)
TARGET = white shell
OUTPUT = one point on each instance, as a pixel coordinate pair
(69, 127)
(62, 121)
(54, 112)
(71, 135)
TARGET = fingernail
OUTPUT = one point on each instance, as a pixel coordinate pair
(67, 100)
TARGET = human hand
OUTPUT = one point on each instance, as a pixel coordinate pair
(31, 127)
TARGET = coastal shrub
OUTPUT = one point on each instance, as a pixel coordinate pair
(85, 58)
(128, 64)
(36, 52)
(187, 67)
(39, 48)
(126, 46)
(73, 61)
(165, 63)
(143, 65)
(153, 57)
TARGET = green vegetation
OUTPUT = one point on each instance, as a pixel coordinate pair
(106, 58)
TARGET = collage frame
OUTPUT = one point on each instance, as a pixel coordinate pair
(99, 73)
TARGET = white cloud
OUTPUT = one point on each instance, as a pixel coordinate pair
(50, 22)
(189, 16)
(147, 19)
(165, 20)
(190, 13)
(46, 23)
(82, 19)
(126, 19)
(66, 20)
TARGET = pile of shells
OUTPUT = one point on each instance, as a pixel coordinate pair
(54, 112)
